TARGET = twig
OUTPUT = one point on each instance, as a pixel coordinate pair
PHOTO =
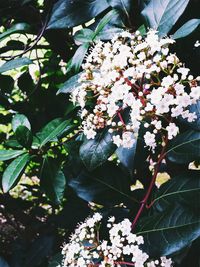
(145, 199)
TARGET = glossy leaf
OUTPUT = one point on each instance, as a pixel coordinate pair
(107, 185)
(13, 172)
(94, 152)
(24, 136)
(20, 120)
(183, 188)
(109, 25)
(161, 15)
(52, 130)
(124, 6)
(175, 228)
(83, 36)
(76, 61)
(126, 157)
(52, 180)
(67, 14)
(19, 27)
(186, 29)
(185, 148)
(10, 154)
(71, 84)
(15, 63)
(142, 29)
(104, 21)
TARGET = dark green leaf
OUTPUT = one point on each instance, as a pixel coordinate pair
(6, 83)
(184, 188)
(185, 148)
(161, 15)
(94, 152)
(3, 263)
(70, 84)
(39, 250)
(53, 130)
(25, 82)
(19, 27)
(67, 14)
(186, 29)
(24, 136)
(125, 6)
(20, 120)
(10, 154)
(126, 157)
(52, 180)
(14, 171)
(76, 61)
(15, 63)
(107, 185)
(175, 228)
(56, 260)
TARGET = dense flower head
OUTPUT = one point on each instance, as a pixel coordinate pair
(86, 249)
(134, 80)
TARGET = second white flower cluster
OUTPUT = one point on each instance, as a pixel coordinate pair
(87, 249)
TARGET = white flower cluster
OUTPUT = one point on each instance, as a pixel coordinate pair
(137, 76)
(86, 249)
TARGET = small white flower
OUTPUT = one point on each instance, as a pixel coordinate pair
(197, 43)
(167, 81)
(117, 140)
(172, 130)
(150, 140)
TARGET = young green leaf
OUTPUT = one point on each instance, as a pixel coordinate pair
(104, 21)
(13, 172)
(52, 130)
(76, 61)
(161, 15)
(94, 152)
(186, 29)
(83, 36)
(10, 154)
(15, 63)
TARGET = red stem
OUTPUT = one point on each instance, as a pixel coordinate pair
(126, 263)
(120, 117)
(145, 199)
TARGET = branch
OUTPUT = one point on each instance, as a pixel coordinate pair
(148, 193)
